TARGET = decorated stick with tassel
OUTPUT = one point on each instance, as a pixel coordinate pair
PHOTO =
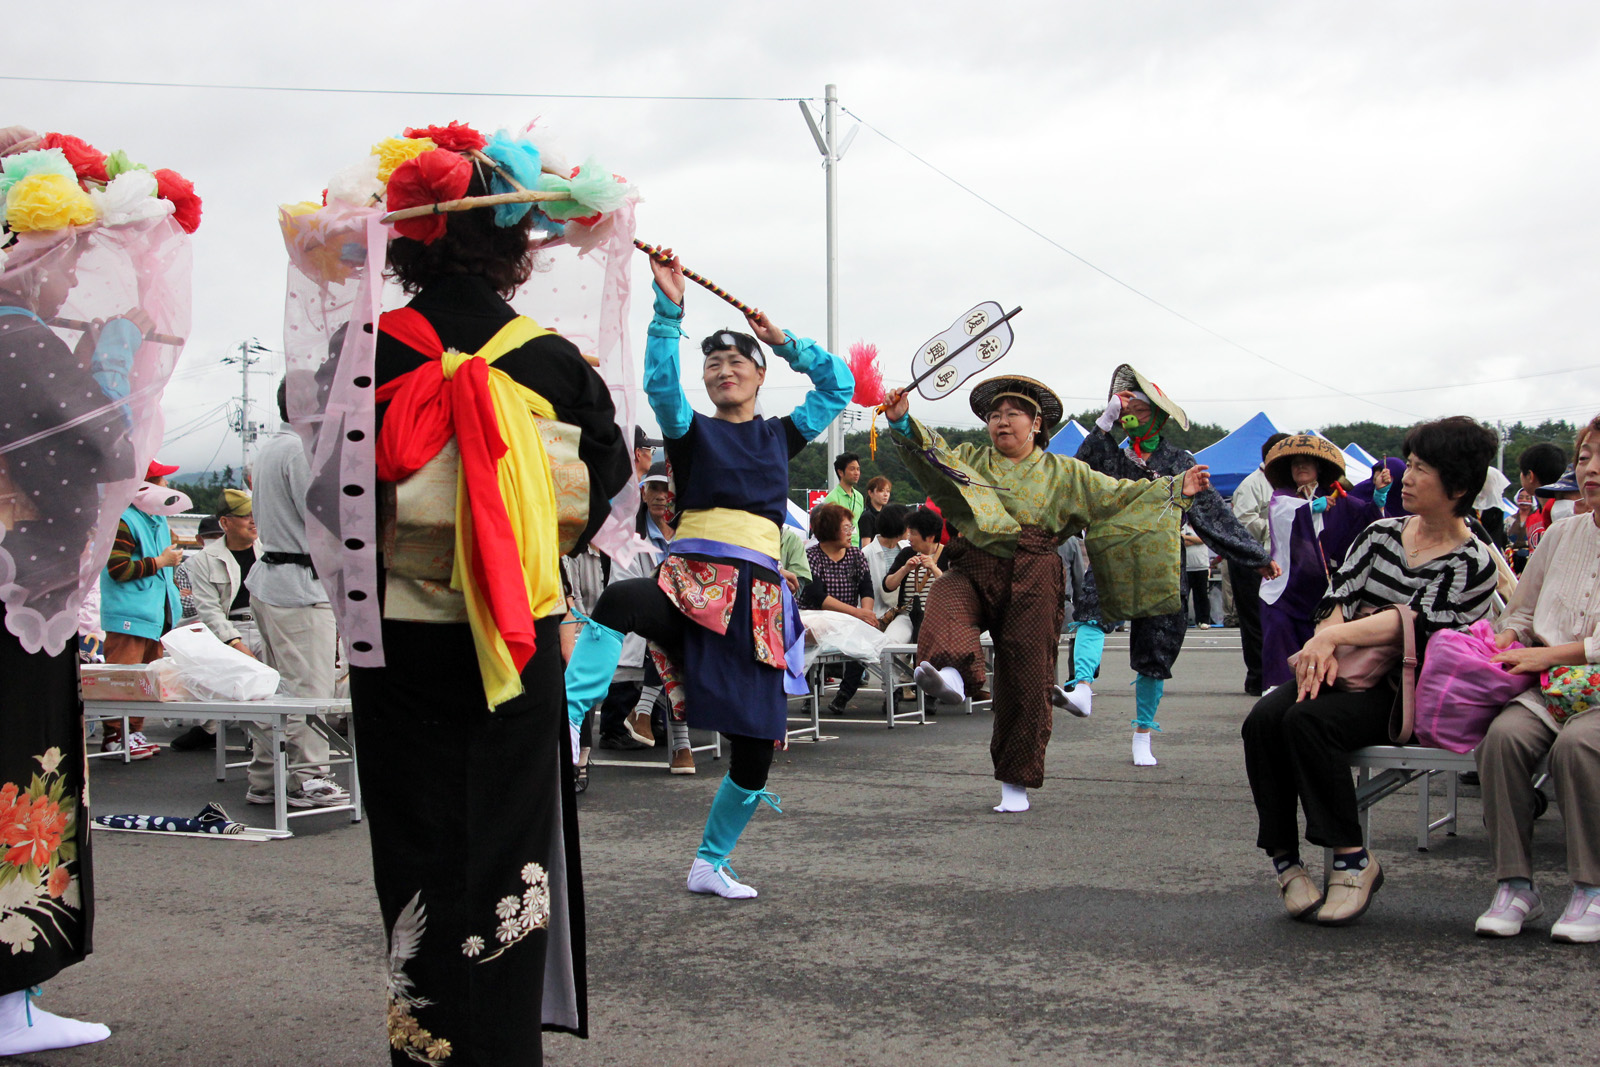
(655, 253)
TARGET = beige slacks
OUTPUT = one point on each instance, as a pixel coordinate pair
(1516, 741)
(300, 643)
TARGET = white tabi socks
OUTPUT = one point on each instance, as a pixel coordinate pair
(1079, 700)
(704, 878)
(1142, 756)
(27, 1028)
(1012, 798)
(944, 685)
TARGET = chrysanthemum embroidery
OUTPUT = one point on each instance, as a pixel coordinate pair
(519, 916)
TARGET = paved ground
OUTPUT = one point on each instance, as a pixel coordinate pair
(1126, 919)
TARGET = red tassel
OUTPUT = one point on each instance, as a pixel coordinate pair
(868, 375)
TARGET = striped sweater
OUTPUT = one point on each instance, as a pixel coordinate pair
(1450, 592)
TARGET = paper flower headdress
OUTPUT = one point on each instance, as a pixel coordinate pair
(424, 174)
(56, 180)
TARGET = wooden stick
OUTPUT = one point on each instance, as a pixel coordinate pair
(467, 203)
(79, 324)
(657, 255)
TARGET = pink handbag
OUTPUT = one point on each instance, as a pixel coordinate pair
(1459, 692)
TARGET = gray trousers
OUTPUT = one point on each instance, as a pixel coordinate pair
(300, 643)
(1516, 741)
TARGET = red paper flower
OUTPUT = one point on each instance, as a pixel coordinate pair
(87, 160)
(431, 178)
(170, 185)
(456, 137)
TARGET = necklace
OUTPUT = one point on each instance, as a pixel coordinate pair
(1413, 553)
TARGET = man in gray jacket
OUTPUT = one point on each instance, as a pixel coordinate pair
(1251, 501)
(298, 635)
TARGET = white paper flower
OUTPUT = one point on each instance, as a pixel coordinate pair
(472, 946)
(356, 184)
(129, 197)
(507, 907)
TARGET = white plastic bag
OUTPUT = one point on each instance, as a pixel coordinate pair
(213, 671)
(846, 635)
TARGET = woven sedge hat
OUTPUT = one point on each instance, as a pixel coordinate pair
(1127, 380)
(1330, 461)
(986, 394)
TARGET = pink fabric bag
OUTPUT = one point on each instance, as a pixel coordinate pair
(1460, 692)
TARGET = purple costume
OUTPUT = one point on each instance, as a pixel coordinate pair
(1306, 558)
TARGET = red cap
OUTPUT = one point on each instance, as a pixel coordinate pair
(158, 469)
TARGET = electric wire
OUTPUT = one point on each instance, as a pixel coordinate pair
(396, 92)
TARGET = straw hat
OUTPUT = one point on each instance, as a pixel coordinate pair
(1127, 380)
(1330, 461)
(986, 394)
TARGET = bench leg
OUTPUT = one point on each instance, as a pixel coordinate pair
(1424, 787)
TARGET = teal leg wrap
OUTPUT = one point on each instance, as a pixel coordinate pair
(730, 812)
(594, 661)
(1146, 699)
(1088, 646)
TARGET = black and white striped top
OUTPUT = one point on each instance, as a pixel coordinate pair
(1450, 592)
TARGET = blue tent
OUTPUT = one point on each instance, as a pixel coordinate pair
(1367, 458)
(1068, 439)
(1233, 458)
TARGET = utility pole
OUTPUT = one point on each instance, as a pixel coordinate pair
(240, 423)
(1502, 436)
(832, 152)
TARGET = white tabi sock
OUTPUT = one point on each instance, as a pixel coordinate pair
(944, 685)
(1079, 700)
(1012, 798)
(47, 1031)
(1142, 756)
(704, 878)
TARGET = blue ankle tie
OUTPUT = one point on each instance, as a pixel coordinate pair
(772, 799)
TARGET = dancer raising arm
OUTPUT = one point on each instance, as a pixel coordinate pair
(721, 572)
(1010, 503)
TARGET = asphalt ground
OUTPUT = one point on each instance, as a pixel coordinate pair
(1126, 919)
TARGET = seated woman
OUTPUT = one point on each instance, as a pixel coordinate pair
(880, 551)
(1556, 611)
(840, 581)
(1313, 523)
(912, 574)
(1296, 737)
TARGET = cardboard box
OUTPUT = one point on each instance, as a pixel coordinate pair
(119, 681)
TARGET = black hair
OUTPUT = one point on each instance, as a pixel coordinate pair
(844, 460)
(747, 346)
(1460, 449)
(471, 245)
(926, 522)
(283, 399)
(1266, 446)
(892, 520)
(1547, 461)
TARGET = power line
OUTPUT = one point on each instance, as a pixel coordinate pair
(1112, 277)
(393, 92)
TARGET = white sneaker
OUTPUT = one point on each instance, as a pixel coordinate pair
(324, 792)
(1580, 923)
(1079, 700)
(1510, 908)
(704, 878)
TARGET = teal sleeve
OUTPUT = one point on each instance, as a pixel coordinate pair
(661, 385)
(112, 362)
(831, 384)
(1380, 497)
(1319, 504)
(902, 425)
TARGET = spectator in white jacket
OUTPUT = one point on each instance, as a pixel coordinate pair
(1251, 502)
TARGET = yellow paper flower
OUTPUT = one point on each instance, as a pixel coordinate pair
(304, 207)
(393, 151)
(47, 202)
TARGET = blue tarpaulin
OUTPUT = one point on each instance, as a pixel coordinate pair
(1068, 438)
(1233, 458)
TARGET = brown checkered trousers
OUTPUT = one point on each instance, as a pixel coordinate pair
(1020, 602)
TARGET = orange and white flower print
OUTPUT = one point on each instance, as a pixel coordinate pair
(39, 886)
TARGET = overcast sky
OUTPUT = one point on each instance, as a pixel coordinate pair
(1379, 211)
